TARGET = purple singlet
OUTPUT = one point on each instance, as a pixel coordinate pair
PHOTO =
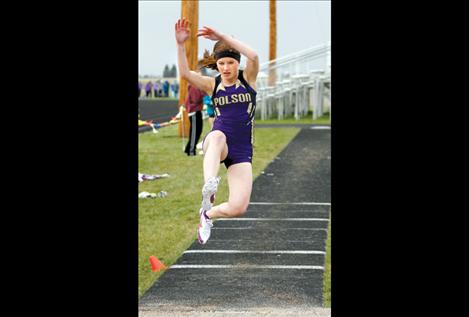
(234, 108)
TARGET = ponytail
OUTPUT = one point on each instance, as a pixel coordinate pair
(220, 48)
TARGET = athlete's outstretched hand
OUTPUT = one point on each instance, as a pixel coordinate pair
(182, 30)
(209, 33)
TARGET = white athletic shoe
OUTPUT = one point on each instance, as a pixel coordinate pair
(203, 233)
(208, 192)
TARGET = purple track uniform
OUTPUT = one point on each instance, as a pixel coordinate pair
(234, 109)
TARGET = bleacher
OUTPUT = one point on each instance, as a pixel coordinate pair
(301, 82)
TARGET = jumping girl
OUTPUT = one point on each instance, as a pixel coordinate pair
(230, 140)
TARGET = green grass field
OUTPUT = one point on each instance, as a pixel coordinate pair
(167, 226)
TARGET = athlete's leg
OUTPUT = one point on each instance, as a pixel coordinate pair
(240, 187)
(215, 151)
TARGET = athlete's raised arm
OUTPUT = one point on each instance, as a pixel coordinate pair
(204, 83)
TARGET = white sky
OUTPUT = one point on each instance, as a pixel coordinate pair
(300, 25)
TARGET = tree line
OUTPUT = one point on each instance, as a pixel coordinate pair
(167, 72)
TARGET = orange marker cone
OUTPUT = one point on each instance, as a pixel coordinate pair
(156, 264)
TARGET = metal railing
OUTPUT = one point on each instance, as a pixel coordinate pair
(295, 84)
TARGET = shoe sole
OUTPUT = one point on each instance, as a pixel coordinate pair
(199, 238)
(208, 195)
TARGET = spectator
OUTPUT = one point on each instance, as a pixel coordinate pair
(172, 90)
(166, 88)
(148, 88)
(208, 105)
(156, 87)
(176, 89)
(210, 111)
(160, 89)
(194, 106)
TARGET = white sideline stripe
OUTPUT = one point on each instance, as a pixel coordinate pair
(302, 203)
(253, 228)
(291, 210)
(301, 240)
(256, 252)
(272, 219)
(233, 228)
(321, 128)
(229, 266)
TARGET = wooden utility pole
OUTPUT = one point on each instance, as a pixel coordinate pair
(190, 11)
(272, 40)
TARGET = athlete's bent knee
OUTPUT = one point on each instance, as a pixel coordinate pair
(239, 209)
(217, 137)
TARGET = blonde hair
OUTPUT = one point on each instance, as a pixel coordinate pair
(209, 60)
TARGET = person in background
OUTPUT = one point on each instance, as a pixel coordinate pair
(171, 89)
(176, 89)
(156, 87)
(160, 89)
(207, 101)
(210, 111)
(194, 106)
(148, 88)
(166, 88)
